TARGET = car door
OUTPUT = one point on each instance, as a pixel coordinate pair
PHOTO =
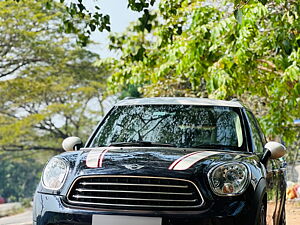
(259, 141)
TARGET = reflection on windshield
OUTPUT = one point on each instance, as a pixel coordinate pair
(179, 125)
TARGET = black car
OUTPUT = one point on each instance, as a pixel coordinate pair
(166, 161)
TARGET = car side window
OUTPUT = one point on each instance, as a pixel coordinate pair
(256, 134)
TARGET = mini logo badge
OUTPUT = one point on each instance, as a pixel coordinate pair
(133, 166)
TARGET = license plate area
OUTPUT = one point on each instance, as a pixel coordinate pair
(125, 220)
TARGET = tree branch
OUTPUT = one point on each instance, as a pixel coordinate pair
(16, 148)
(18, 64)
(271, 64)
(266, 69)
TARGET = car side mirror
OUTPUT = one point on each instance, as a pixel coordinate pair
(277, 150)
(72, 144)
(274, 150)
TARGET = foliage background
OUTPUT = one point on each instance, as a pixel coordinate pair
(50, 89)
(250, 52)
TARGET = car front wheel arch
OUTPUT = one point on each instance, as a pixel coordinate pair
(262, 212)
(260, 203)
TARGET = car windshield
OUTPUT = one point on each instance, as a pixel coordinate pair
(172, 125)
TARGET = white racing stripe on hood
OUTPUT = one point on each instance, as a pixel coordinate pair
(179, 159)
(93, 158)
(189, 160)
(102, 157)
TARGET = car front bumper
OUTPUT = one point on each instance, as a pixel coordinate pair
(51, 210)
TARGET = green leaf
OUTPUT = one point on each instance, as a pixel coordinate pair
(81, 7)
(48, 5)
(263, 1)
(93, 27)
(238, 14)
(152, 2)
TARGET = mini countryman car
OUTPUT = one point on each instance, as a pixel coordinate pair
(166, 161)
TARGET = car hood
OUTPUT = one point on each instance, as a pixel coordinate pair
(149, 160)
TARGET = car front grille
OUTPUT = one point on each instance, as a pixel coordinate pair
(135, 192)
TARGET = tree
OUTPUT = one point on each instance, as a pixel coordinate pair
(195, 49)
(48, 103)
(54, 90)
(27, 34)
(50, 89)
(95, 19)
(20, 173)
(92, 19)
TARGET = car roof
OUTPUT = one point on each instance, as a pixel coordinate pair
(179, 101)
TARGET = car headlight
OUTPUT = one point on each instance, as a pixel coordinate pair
(55, 173)
(229, 179)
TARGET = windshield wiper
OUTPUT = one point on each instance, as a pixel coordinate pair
(223, 147)
(141, 143)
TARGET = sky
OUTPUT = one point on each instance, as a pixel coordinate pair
(120, 18)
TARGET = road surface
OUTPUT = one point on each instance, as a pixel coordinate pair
(24, 218)
(292, 211)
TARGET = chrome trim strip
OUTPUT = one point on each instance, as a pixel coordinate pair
(137, 206)
(138, 192)
(134, 199)
(124, 205)
(127, 184)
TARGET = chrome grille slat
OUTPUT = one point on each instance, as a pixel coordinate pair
(137, 206)
(126, 184)
(134, 192)
(134, 199)
(138, 192)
